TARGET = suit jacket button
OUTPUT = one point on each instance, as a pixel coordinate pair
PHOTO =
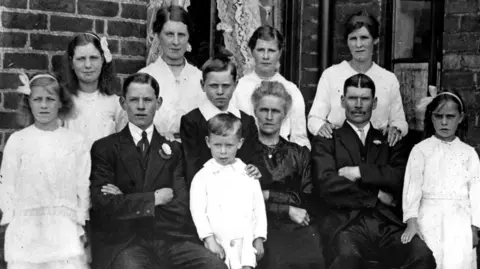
(138, 212)
(148, 211)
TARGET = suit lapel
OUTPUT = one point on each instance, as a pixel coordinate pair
(373, 144)
(155, 162)
(131, 157)
(349, 139)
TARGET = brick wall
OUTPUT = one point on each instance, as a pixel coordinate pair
(34, 35)
(311, 18)
(461, 59)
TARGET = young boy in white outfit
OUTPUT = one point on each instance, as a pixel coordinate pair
(226, 204)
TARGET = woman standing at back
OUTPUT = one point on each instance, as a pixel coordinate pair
(266, 45)
(326, 114)
(90, 79)
(179, 81)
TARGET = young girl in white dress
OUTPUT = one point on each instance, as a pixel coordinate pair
(44, 182)
(90, 79)
(441, 194)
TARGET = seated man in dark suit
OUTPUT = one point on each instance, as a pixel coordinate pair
(359, 178)
(219, 81)
(140, 214)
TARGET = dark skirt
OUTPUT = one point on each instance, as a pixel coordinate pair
(296, 249)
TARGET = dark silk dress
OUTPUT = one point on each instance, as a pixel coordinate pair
(289, 245)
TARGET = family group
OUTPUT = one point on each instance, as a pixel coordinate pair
(201, 169)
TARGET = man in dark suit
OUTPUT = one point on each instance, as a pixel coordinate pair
(140, 214)
(359, 178)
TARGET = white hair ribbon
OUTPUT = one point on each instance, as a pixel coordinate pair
(425, 101)
(25, 88)
(106, 51)
(104, 45)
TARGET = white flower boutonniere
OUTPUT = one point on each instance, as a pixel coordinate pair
(165, 151)
(377, 142)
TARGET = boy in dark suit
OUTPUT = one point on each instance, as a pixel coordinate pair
(140, 215)
(219, 82)
(359, 177)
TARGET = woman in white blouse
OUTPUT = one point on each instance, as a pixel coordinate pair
(361, 34)
(179, 81)
(89, 77)
(266, 45)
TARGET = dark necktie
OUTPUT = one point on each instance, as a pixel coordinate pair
(143, 145)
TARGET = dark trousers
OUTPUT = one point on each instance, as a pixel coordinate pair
(158, 254)
(296, 249)
(373, 241)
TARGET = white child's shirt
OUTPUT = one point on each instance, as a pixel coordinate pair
(227, 203)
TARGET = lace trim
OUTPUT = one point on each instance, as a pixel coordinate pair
(244, 17)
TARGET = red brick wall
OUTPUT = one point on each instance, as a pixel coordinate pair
(34, 35)
(461, 62)
(311, 18)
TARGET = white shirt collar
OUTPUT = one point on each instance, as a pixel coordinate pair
(209, 111)
(366, 128)
(137, 133)
(237, 167)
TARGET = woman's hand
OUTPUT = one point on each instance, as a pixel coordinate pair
(412, 230)
(252, 171)
(212, 245)
(394, 135)
(111, 189)
(326, 130)
(299, 215)
(258, 245)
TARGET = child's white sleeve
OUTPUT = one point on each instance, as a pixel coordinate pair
(259, 212)
(474, 188)
(84, 165)
(10, 165)
(412, 187)
(198, 205)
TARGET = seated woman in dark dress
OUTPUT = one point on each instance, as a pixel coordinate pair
(292, 236)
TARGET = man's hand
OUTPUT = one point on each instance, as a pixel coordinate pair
(474, 236)
(266, 195)
(386, 198)
(394, 135)
(350, 172)
(111, 189)
(326, 130)
(212, 245)
(299, 215)
(258, 245)
(252, 171)
(163, 196)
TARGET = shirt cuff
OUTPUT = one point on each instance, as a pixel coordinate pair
(409, 214)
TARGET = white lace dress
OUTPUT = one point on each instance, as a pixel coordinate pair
(442, 190)
(96, 115)
(44, 197)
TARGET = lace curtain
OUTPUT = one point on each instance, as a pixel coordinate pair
(238, 20)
